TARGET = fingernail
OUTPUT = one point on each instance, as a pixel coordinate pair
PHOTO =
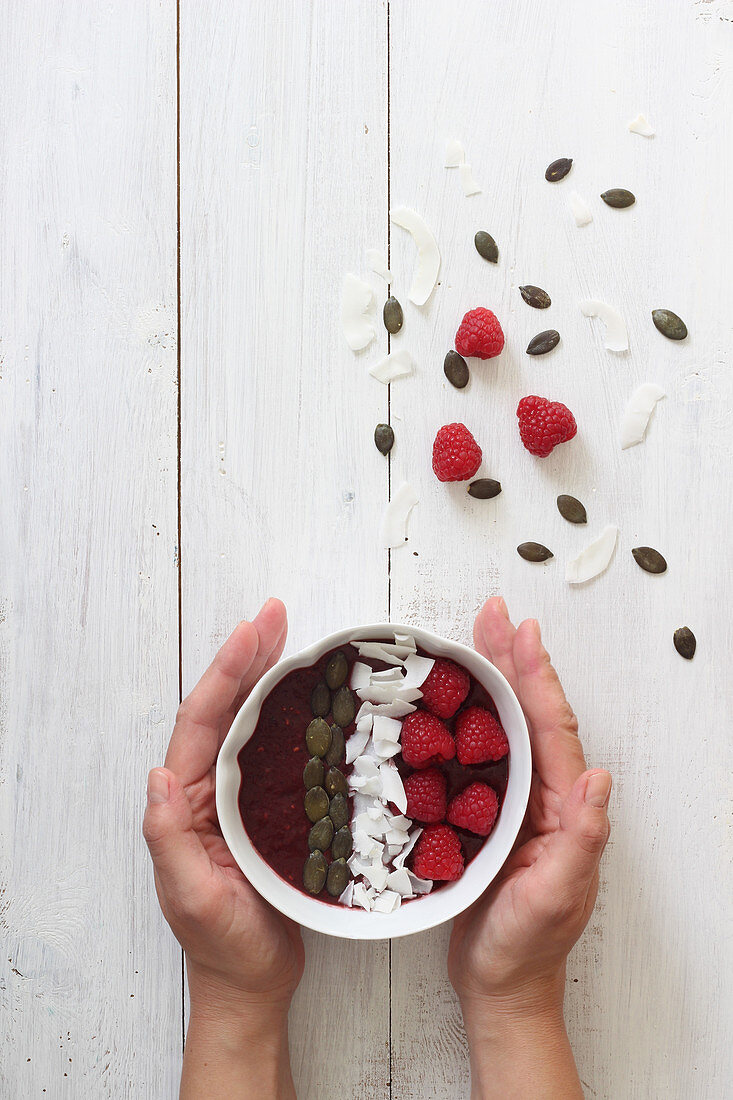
(159, 787)
(501, 604)
(535, 627)
(598, 789)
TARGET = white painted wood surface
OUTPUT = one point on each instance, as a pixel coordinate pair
(283, 186)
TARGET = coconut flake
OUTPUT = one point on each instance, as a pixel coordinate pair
(398, 709)
(377, 263)
(385, 651)
(400, 859)
(420, 885)
(357, 306)
(594, 558)
(616, 338)
(468, 182)
(385, 750)
(376, 875)
(387, 676)
(387, 729)
(387, 902)
(400, 882)
(394, 521)
(361, 896)
(392, 786)
(417, 670)
(640, 125)
(428, 256)
(638, 412)
(407, 641)
(360, 674)
(454, 154)
(346, 898)
(357, 743)
(579, 209)
(398, 364)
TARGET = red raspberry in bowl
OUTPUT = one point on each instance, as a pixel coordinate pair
(425, 740)
(479, 334)
(445, 688)
(456, 454)
(474, 809)
(438, 854)
(543, 424)
(479, 737)
(426, 796)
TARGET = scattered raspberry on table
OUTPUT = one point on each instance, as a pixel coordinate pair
(474, 809)
(425, 740)
(426, 796)
(445, 688)
(543, 424)
(479, 334)
(438, 854)
(479, 737)
(456, 454)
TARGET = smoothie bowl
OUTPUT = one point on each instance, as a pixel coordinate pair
(373, 785)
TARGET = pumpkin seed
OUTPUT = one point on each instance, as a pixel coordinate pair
(338, 810)
(343, 708)
(486, 246)
(534, 551)
(336, 782)
(685, 642)
(669, 324)
(559, 169)
(336, 753)
(320, 700)
(484, 488)
(343, 844)
(338, 877)
(318, 737)
(543, 342)
(649, 559)
(316, 804)
(535, 296)
(383, 438)
(393, 315)
(313, 773)
(321, 835)
(314, 872)
(455, 368)
(618, 198)
(571, 509)
(337, 669)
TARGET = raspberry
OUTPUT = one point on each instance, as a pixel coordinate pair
(445, 688)
(479, 334)
(456, 454)
(425, 740)
(426, 797)
(479, 737)
(543, 424)
(438, 854)
(475, 809)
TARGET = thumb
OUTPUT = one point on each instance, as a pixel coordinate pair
(576, 848)
(180, 861)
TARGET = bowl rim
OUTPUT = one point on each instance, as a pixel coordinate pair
(422, 913)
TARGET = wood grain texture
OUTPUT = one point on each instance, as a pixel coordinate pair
(89, 976)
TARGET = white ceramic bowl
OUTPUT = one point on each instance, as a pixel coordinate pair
(422, 912)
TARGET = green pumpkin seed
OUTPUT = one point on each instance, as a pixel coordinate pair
(316, 804)
(343, 844)
(486, 246)
(455, 368)
(343, 708)
(669, 324)
(337, 670)
(320, 700)
(338, 810)
(393, 316)
(313, 773)
(318, 737)
(315, 872)
(535, 296)
(571, 509)
(534, 551)
(649, 559)
(336, 782)
(685, 642)
(336, 753)
(383, 438)
(543, 342)
(558, 170)
(484, 488)
(338, 877)
(321, 835)
(618, 198)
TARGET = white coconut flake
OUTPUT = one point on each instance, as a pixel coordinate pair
(594, 558)
(616, 338)
(385, 651)
(454, 154)
(638, 413)
(361, 896)
(376, 875)
(357, 309)
(468, 181)
(394, 521)
(398, 709)
(417, 670)
(400, 882)
(377, 263)
(392, 786)
(398, 364)
(387, 729)
(385, 750)
(640, 125)
(407, 641)
(357, 743)
(400, 859)
(387, 902)
(387, 676)
(428, 256)
(579, 209)
(360, 674)
(420, 885)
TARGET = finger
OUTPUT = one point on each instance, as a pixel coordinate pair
(271, 624)
(182, 867)
(493, 635)
(556, 749)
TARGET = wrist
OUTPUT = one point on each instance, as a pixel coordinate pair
(220, 1005)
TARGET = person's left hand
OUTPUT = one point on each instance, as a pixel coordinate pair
(238, 948)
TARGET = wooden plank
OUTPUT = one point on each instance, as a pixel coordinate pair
(283, 187)
(90, 995)
(645, 1003)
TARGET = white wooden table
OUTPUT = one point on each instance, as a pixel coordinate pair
(184, 432)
